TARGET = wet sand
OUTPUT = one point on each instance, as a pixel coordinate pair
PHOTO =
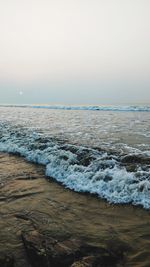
(29, 200)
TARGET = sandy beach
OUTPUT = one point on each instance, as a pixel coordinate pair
(30, 203)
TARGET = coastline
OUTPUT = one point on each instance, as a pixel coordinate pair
(29, 203)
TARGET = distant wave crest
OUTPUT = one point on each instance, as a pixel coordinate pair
(143, 108)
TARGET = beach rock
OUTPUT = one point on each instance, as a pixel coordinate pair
(85, 262)
(84, 159)
(47, 252)
(80, 264)
(131, 167)
(6, 260)
(136, 159)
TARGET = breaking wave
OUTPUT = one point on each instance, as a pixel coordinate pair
(118, 178)
(143, 108)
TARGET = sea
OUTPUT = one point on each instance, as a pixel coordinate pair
(100, 150)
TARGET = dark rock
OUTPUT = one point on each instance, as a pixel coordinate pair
(64, 157)
(81, 264)
(131, 168)
(107, 178)
(34, 248)
(6, 260)
(135, 159)
(85, 262)
(86, 161)
(73, 149)
(47, 252)
(85, 158)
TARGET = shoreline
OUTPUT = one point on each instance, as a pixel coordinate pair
(29, 203)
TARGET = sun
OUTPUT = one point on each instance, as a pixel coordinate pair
(20, 93)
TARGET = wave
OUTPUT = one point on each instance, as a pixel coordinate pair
(114, 177)
(140, 108)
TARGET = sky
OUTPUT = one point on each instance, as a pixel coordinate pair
(74, 51)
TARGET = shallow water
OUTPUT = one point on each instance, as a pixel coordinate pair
(101, 152)
(29, 200)
(127, 131)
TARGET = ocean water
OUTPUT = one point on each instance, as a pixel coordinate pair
(100, 150)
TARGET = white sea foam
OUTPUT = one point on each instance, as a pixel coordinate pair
(80, 168)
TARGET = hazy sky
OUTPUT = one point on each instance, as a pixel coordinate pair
(74, 51)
